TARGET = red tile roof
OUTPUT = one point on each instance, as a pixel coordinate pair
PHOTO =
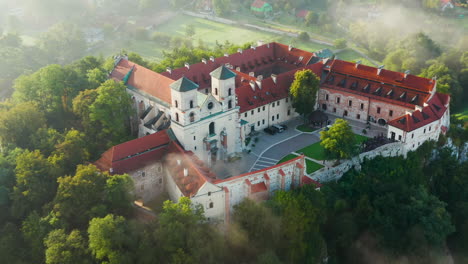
(307, 180)
(388, 86)
(259, 187)
(144, 79)
(197, 172)
(270, 91)
(134, 154)
(258, 3)
(302, 13)
(434, 110)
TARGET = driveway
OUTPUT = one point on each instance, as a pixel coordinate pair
(272, 148)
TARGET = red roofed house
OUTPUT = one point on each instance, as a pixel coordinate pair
(210, 107)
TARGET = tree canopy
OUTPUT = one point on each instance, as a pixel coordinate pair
(303, 91)
(339, 141)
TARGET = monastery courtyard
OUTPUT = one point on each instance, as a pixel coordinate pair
(270, 149)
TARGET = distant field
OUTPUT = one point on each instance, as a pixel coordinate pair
(351, 55)
(206, 30)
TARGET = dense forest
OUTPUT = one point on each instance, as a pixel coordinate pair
(64, 112)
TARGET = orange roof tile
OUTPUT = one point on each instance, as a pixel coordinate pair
(434, 110)
(134, 154)
(144, 79)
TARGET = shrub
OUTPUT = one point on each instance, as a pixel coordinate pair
(340, 43)
(303, 36)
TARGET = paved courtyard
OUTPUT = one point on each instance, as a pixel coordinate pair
(269, 149)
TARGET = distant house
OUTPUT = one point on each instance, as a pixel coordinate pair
(261, 7)
(302, 13)
(446, 4)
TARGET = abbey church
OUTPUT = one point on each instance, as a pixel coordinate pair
(188, 118)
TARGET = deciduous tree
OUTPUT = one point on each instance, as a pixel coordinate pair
(339, 141)
(304, 91)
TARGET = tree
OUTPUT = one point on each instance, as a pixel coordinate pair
(112, 110)
(190, 30)
(311, 18)
(339, 141)
(19, 123)
(63, 43)
(303, 91)
(340, 43)
(221, 7)
(446, 83)
(110, 240)
(71, 151)
(34, 229)
(184, 235)
(80, 197)
(52, 87)
(303, 36)
(65, 249)
(36, 183)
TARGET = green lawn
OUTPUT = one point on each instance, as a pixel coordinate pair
(351, 55)
(312, 166)
(316, 151)
(305, 128)
(286, 158)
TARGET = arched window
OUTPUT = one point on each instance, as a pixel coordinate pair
(192, 117)
(230, 104)
(212, 128)
(176, 104)
(230, 91)
(216, 91)
(177, 117)
(191, 104)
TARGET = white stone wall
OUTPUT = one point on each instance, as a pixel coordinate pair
(269, 114)
(211, 197)
(148, 181)
(238, 188)
(171, 187)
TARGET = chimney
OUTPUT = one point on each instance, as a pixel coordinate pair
(406, 73)
(357, 63)
(268, 45)
(252, 47)
(185, 172)
(226, 55)
(187, 65)
(238, 69)
(203, 60)
(260, 42)
(212, 58)
(380, 69)
(178, 162)
(259, 81)
(169, 70)
(290, 47)
(252, 84)
(239, 50)
(252, 74)
(273, 77)
(125, 56)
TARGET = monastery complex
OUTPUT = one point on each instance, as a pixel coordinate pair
(190, 118)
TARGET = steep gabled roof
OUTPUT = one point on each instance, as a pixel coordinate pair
(184, 85)
(143, 79)
(222, 73)
(434, 110)
(134, 154)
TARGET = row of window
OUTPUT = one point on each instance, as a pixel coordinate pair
(350, 103)
(277, 103)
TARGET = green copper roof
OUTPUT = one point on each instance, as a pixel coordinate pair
(324, 53)
(222, 73)
(184, 85)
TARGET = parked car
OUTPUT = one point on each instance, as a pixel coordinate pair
(270, 130)
(278, 128)
(284, 127)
